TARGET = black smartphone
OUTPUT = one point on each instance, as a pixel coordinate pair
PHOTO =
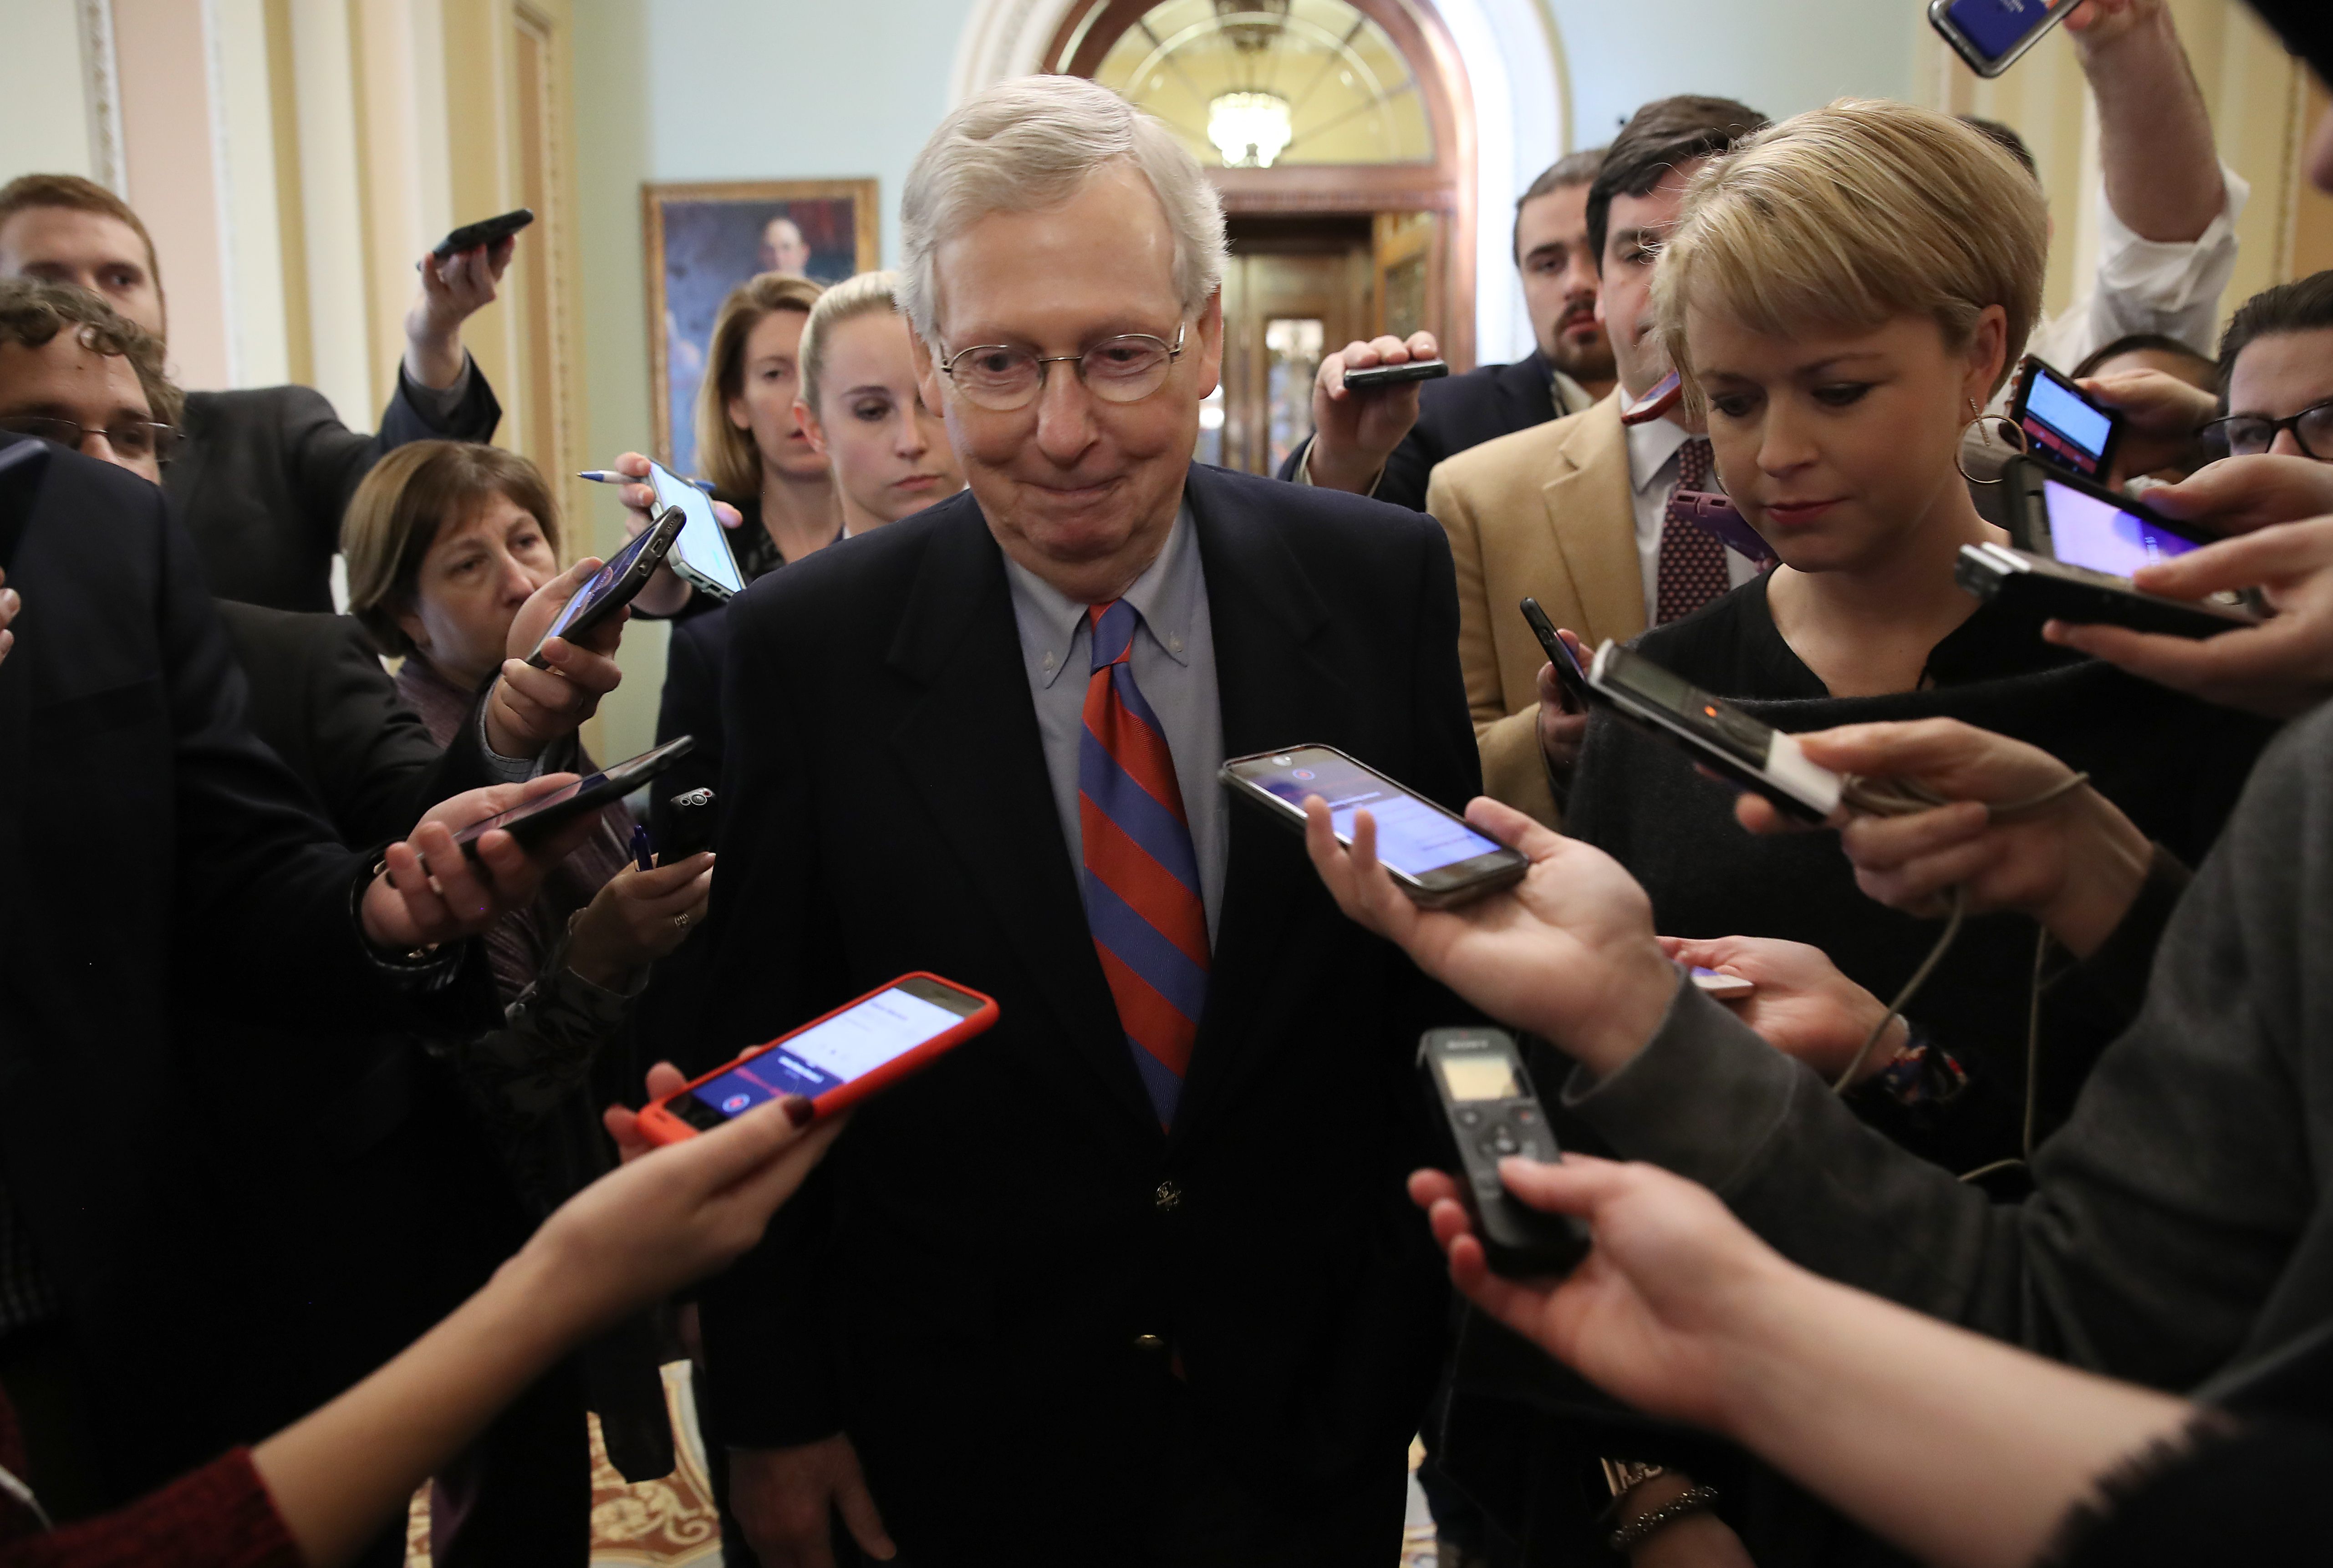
(1761, 759)
(2062, 425)
(539, 818)
(23, 462)
(1569, 674)
(628, 571)
(2081, 523)
(1714, 514)
(1489, 1112)
(1434, 855)
(2037, 585)
(485, 231)
(1991, 34)
(689, 824)
(1396, 375)
(701, 556)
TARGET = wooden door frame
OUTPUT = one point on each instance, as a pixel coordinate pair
(1445, 187)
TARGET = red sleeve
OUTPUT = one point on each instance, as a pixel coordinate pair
(219, 1516)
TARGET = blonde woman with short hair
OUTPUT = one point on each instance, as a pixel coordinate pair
(860, 409)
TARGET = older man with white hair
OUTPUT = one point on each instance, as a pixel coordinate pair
(1129, 1279)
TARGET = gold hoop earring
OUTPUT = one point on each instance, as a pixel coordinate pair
(2016, 439)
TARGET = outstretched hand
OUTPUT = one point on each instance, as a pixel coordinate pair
(1568, 953)
(665, 593)
(1356, 430)
(429, 892)
(529, 708)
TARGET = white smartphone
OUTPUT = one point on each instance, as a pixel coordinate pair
(701, 555)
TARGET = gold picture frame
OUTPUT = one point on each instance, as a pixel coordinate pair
(700, 241)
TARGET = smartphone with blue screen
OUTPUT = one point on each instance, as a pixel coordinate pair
(1434, 855)
(1992, 35)
(615, 584)
(833, 1062)
(2062, 425)
(701, 556)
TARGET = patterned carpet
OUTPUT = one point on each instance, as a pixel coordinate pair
(670, 1523)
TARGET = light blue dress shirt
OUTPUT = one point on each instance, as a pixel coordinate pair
(1173, 661)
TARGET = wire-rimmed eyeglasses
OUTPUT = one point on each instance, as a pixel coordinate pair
(130, 438)
(1125, 368)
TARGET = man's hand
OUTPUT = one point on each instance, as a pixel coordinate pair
(452, 292)
(1568, 953)
(2281, 668)
(1655, 1313)
(1562, 723)
(2075, 864)
(430, 892)
(637, 917)
(2101, 23)
(2160, 416)
(2241, 495)
(1803, 1006)
(2155, 152)
(529, 708)
(11, 601)
(783, 1496)
(665, 593)
(1354, 432)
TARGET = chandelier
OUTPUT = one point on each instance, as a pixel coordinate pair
(1249, 129)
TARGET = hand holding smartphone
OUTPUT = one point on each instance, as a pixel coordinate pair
(1569, 673)
(1396, 375)
(834, 1062)
(1433, 855)
(2062, 424)
(615, 585)
(701, 553)
(539, 818)
(1992, 35)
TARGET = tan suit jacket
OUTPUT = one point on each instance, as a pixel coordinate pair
(1545, 513)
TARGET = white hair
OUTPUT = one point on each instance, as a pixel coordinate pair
(1030, 143)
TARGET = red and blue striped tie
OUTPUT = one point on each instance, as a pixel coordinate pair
(1141, 873)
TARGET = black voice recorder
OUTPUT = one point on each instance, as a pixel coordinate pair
(1490, 1113)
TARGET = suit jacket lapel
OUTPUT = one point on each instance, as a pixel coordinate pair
(971, 746)
(1274, 689)
(1591, 512)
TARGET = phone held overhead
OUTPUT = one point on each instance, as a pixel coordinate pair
(1489, 1112)
(1993, 35)
(1396, 375)
(701, 555)
(1720, 736)
(833, 1062)
(2061, 423)
(487, 231)
(2078, 544)
(613, 586)
(538, 819)
(1433, 855)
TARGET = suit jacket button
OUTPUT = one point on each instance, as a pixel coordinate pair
(1169, 1198)
(1148, 1342)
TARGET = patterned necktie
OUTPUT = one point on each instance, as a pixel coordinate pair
(1141, 873)
(1692, 562)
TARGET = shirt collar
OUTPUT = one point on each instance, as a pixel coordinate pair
(1651, 447)
(1165, 596)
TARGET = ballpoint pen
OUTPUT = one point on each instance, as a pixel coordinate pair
(643, 849)
(610, 476)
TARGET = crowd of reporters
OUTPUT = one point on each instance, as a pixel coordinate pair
(289, 1078)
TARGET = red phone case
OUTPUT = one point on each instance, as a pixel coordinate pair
(661, 1126)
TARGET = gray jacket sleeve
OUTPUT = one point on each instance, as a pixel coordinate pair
(2173, 1222)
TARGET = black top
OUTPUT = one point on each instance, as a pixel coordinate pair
(1454, 414)
(2174, 765)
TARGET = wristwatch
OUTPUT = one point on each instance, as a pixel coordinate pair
(1623, 1475)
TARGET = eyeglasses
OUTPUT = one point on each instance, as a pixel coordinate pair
(131, 438)
(1125, 368)
(2249, 435)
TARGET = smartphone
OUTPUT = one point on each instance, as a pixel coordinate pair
(1396, 375)
(1665, 395)
(2037, 585)
(628, 571)
(2082, 524)
(1993, 34)
(1489, 1112)
(1720, 736)
(1569, 674)
(701, 556)
(485, 231)
(1434, 855)
(835, 1061)
(1714, 514)
(539, 818)
(23, 462)
(688, 828)
(2062, 425)
(1724, 986)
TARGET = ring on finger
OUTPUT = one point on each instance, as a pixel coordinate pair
(681, 920)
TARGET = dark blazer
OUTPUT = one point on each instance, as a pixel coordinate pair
(322, 701)
(1454, 414)
(265, 474)
(691, 705)
(978, 1274)
(154, 857)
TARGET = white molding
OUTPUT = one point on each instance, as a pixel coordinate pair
(102, 80)
(221, 185)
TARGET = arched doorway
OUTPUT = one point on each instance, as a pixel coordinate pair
(1340, 133)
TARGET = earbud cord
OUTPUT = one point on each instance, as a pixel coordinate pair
(1907, 797)
(24, 1495)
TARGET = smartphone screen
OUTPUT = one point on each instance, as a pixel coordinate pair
(702, 544)
(601, 584)
(2061, 424)
(1998, 27)
(1413, 836)
(2085, 531)
(827, 1055)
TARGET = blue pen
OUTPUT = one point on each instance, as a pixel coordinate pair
(643, 848)
(610, 476)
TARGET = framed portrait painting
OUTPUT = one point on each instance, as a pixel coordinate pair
(702, 240)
